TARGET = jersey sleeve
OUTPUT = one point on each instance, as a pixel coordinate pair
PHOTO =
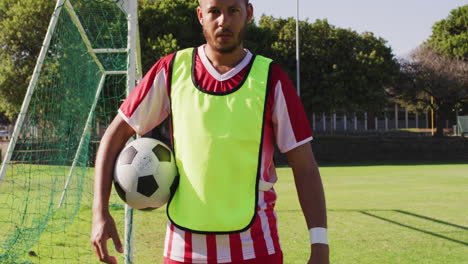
(148, 105)
(290, 123)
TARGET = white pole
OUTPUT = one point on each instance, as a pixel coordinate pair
(396, 116)
(133, 57)
(324, 122)
(417, 120)
(114, 72)
(109, 50)
(86, 131)
(386, 120)
(313, 121)
(298, 52)
(128, 235)
(139, 67)
(345, 123)
(334, 121)
(132, 45)
(31, 87)
(365, 121)
(355, 121)
(406, 118)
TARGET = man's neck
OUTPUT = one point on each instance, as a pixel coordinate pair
(224, 62)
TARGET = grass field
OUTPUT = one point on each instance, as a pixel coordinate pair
(376, 214)
(385, 214)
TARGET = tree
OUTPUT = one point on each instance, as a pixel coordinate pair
(433, 75)
(23, 24)
(165, 27)
(21, 39)
(450, 35)
(341, 70)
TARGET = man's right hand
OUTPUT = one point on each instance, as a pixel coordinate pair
(112, 142)
(104, 228)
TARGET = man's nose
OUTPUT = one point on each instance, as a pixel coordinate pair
(224, 20)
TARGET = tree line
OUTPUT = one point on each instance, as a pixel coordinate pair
(341, 70)
(436, 75)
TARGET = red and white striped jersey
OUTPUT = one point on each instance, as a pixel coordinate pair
(286, 125)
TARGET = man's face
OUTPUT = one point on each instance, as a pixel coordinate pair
(224, 23)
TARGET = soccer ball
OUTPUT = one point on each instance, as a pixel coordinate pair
(145, 174)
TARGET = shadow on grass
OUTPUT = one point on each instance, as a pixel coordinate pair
(367, 212)
(380, 163)
(416, 229)
(392, 163)
(431, 219)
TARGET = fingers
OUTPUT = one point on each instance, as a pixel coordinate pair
(102, 230)
(116, 240)
(96, 250)
(112, 260)
(105, 252)
(100, 247)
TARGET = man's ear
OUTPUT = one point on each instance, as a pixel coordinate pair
(249, 12)
(200, 15)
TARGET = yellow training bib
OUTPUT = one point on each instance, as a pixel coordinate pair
(217, 146)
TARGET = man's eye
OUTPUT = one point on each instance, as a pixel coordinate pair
(213, 11)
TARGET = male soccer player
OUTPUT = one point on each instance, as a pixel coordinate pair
(228, 108)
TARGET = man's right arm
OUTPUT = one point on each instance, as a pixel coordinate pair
(145, 108)
(103, 226)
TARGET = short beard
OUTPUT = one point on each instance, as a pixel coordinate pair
(233, 47)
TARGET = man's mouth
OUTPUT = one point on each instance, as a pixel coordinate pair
(224, 35)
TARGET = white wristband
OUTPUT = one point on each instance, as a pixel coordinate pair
(318, 235)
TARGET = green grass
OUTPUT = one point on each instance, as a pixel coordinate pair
(384, 214)
(376, 214)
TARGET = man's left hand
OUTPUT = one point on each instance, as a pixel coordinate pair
(319, 254)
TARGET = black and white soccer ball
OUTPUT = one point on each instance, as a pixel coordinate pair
(145, 174)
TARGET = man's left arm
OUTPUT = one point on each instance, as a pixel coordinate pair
(311, 196)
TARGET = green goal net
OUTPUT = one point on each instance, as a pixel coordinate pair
(87, 64)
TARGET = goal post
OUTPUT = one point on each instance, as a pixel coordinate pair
(31, 86)
(88, 63)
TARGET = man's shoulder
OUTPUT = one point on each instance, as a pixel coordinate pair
(274, 65)
(278, 73)
(276, 69)
(166, 61)
(163, 63)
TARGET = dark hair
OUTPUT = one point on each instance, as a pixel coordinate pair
(246, 2)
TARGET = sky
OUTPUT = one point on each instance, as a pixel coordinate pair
(404, 24)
